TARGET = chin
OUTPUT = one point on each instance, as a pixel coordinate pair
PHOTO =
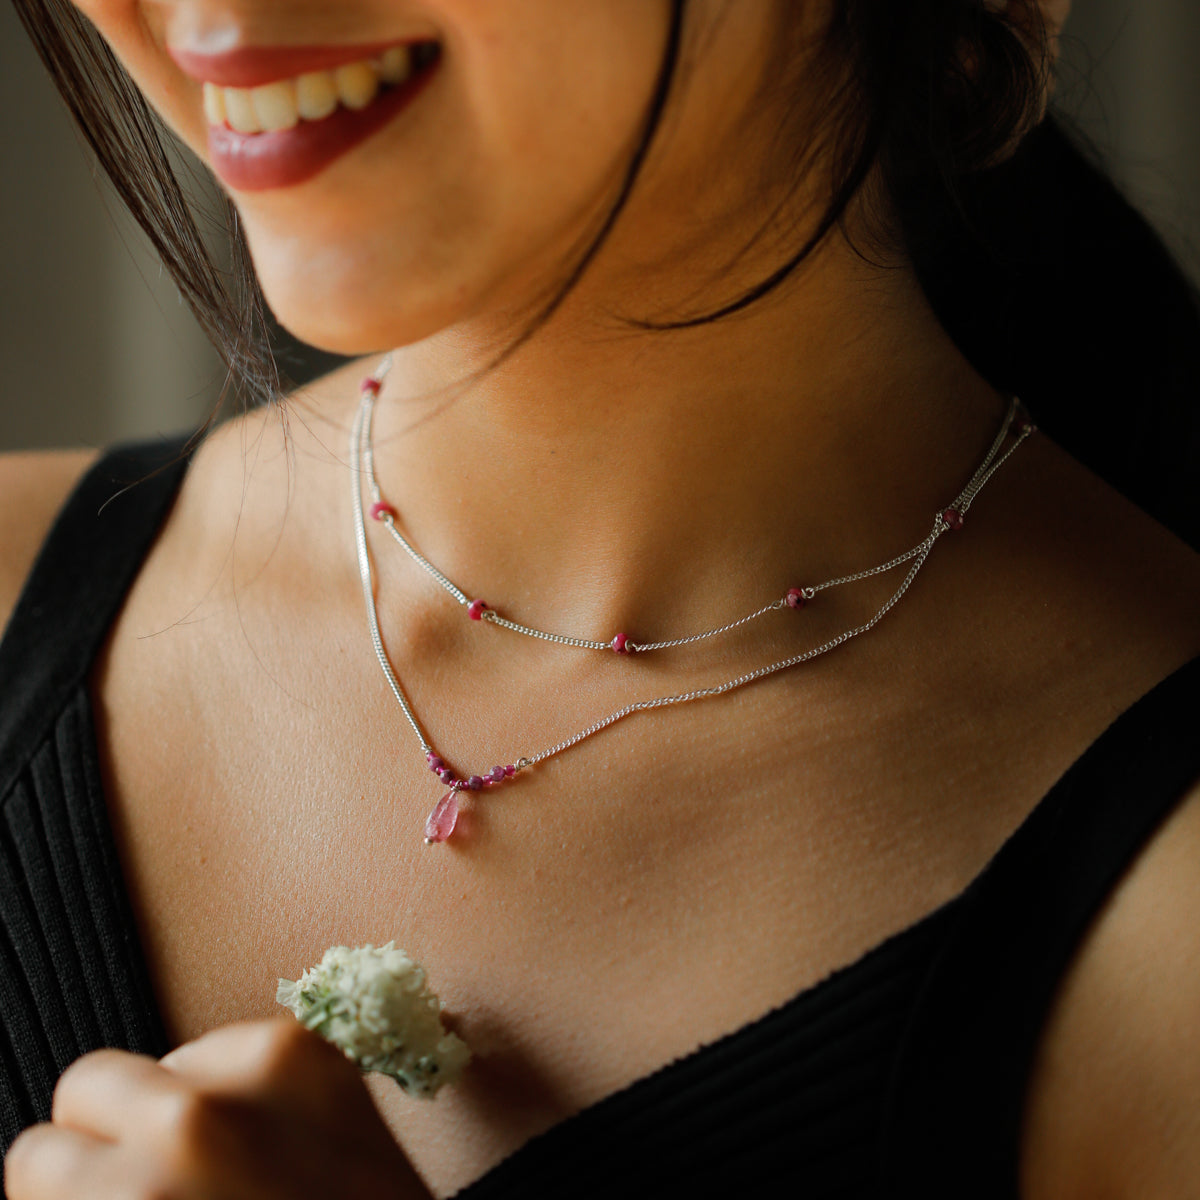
(347, 311)
(348, 333)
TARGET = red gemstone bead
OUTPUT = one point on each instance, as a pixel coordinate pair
(796, 598)
(620, 644)
(444, 817)
(379, 510)
(475, 609)
(475, 782)
(497, 774)
(371, 385)
(952, 518)
(510, 770)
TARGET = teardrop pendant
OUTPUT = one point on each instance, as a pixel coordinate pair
(443, 818)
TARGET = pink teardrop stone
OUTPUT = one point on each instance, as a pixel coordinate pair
(443, 818)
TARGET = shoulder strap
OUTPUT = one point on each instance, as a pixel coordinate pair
(78, 582)
(953, 1120)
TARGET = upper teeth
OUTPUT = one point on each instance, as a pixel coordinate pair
(281, 105)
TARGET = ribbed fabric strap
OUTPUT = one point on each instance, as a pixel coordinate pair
(958, 1092)
(72, 976)
(77, 584)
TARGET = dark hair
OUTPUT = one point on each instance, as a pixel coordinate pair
(135, 151)
(1050, 282)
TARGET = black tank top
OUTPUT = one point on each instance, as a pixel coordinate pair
(902, 1074)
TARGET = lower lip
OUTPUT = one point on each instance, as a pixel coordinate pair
(257, 162)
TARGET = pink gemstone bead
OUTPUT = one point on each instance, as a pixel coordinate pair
(953, 518)
(445, 774)
(443, 818)
(620, 644)
(379, 510)
(510, 770)
(475, 609)
(497, 774)
(371, 385)
(796, 598)
(475, 782)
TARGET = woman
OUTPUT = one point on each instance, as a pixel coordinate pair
(764, 942)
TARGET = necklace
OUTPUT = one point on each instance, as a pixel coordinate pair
(479, 610)
(441, 821)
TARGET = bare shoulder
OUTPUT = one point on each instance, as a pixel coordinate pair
(33, 487)
(1108, 604)
(1104, 601)
(1114, 1104)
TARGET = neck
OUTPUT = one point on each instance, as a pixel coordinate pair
(657, 481)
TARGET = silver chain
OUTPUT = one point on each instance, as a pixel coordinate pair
(362, 428)
(387, 519)
(750, 676)
(362, 465)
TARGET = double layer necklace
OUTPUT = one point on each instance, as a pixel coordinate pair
(441, 821)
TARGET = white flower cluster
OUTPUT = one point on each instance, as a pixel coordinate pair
(372, 1003)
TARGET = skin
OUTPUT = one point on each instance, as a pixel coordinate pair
(821, 427)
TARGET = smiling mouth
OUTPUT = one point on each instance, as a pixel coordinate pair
(277, 116)
(317, 95)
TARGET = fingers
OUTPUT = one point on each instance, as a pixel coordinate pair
(278, 1055)
(46, 1163)
(109, 1093)
(263, 1109)
(247, 1046)
(112, 1095)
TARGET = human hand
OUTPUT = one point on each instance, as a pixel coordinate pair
(263, 1110)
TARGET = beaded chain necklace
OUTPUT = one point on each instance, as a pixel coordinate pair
(441, 821)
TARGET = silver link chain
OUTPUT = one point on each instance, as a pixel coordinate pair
(750, 676)
(962, 503)
(559, 639)
(362, 430)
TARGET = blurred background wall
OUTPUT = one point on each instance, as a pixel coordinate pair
(95, 344)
